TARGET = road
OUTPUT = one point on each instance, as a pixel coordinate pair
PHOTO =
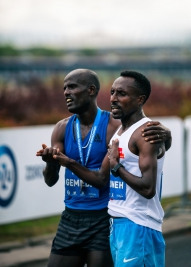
(178, 252)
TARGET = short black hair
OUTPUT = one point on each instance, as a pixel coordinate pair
(141, 82)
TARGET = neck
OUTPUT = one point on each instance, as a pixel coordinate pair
(129, 121)
(87, 117)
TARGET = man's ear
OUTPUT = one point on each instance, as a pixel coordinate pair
(142, 99)
(92, 90)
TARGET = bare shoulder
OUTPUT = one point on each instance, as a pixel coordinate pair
(113, 125)
(59, 131)
(137, 142)
(136, 136)
(61, 125)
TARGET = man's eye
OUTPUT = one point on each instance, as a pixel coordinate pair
(122, 93)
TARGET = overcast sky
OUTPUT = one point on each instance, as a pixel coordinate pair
(95, 23)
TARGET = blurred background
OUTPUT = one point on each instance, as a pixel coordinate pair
(43, 40)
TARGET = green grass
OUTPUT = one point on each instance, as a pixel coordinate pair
(22, 230)
(166, 202)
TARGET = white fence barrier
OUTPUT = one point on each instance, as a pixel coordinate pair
(23, 193)
(188, 128)
(173, 164)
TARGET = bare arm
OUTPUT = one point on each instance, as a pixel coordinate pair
(97, 179)
(146, 184)
(155, 132)
(51, 171)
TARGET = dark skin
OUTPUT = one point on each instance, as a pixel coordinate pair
(127, 105)
(86, 111)
(81, 100)
(131, 111)
(150, 134)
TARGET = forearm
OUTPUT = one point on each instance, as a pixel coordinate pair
(51, 174)
(141, 185)
(94, 178)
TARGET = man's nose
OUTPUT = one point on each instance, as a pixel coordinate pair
(113, 97)
(66, 91)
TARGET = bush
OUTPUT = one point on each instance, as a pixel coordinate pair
(38, 101)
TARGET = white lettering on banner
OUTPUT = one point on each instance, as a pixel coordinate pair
(72, 182)
(6, 181)
(33, 172)
(116, 184)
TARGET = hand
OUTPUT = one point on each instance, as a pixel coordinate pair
(62, 159)
(113, 153)
(47, 153)
(40, 152)
(155, 132)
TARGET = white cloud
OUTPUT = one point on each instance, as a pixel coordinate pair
(99, 22)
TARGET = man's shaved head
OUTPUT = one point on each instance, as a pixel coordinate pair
(86, 77)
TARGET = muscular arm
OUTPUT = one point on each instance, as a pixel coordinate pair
(51, 174)
(146, 184)
(51, 171)
(98, 179)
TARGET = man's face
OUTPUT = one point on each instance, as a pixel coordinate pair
(76, 93)
(125, 98)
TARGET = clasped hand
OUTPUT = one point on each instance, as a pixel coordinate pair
(52, 155)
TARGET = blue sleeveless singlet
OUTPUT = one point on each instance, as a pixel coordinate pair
(97, 154)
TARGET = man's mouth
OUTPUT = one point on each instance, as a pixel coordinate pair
(114, 108)
(68, 100)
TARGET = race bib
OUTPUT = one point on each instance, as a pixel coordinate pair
(76, 187)
(117, 188)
